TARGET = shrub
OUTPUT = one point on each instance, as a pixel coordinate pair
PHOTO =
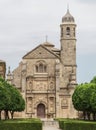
(22, 124)
(69, 124)
(79, 126)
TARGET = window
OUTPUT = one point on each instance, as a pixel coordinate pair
(67, 31)
(74, 32)
(41, 67)
(36, 68)
(45, 69)
(61, 32)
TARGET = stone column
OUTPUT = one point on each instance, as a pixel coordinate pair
(57, 87)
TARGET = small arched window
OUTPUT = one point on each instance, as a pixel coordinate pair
(41, 67)
(45, 69)
(74, 32)
(61, 32)
(67, 31)
(36, 68)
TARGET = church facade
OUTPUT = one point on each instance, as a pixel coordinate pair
(46, 76)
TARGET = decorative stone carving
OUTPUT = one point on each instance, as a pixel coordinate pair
(64, 103)
(29, 104)
(29, 83)
(51, 85)
(51, 102)
(23, 73)
(40, 86)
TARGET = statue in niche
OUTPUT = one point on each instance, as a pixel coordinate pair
(23, 73)
(30, 85)
(51, 85)
(51, 104)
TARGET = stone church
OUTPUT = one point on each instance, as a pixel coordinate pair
(46, 76)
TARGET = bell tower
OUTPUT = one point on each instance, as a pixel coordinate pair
(67, 81)
(68, 51)
(68, 40)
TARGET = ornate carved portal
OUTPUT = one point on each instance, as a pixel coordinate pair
(41, 110)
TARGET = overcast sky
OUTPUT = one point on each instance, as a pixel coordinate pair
(25, 23)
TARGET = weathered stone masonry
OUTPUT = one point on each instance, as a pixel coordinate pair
(46, 76)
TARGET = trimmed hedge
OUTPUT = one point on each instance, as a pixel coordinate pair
(79, 126)
(76, 125)
(22, 124)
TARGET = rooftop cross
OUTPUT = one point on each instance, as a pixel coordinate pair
(67, 7)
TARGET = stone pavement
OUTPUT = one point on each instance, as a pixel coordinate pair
(50, 125)
(50, 128)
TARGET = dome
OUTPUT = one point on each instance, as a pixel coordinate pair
(68, 17)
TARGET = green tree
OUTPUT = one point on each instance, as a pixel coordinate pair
(4, 96)
(93, 80)
(17, 102)
(10, 99)
(93, 99)
(84, 99)
(80, 99)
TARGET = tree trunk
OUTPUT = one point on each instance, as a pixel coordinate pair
(6, 115)
(94, 118)
(84, 114)
(0, 114)
(12, 114)
(88, 115)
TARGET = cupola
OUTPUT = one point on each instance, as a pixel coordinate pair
(68, 18)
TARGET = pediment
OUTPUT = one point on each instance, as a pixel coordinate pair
(40, 52)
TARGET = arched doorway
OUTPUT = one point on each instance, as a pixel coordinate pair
(41, 110)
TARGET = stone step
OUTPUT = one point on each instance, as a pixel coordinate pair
(50, 128)
(53, 123)
(50, 125)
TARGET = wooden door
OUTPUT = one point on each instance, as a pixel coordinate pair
(41, 110)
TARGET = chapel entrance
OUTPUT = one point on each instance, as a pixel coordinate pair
(41, 110)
